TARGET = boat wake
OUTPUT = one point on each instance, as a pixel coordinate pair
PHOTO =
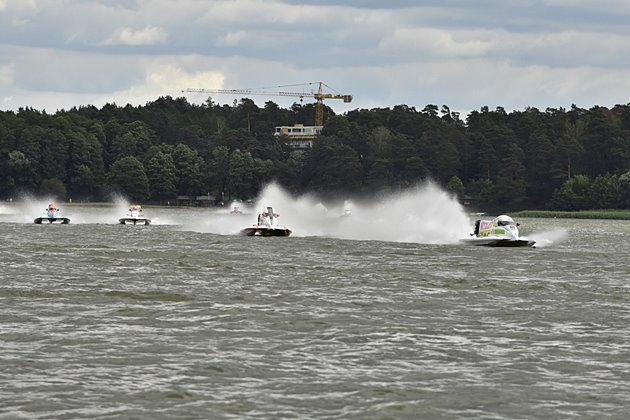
(548, 238)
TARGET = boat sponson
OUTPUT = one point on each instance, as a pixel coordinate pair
(498, 242)
(265, 231)
(134, 220)
(61, 220)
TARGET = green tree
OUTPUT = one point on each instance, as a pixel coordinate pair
(484, 158)
(194, 137)
(604, 192)
(289, 171)
(334, 168)
(263, 168)
(84, 181)
(624, 190)
(54, 161)
(378, 160)
(604, 147)
(135, 139)
(456, 186)
(538, 161)
(127, 176)
(86, 170)
(511, 179)
(438, 150)
(573, 195)
(161, 176)
(408, 165)
(53, 186)
(483, 192)
(412, 171)
(241, 178)
(29, 142)
(188, 170)
(21, 170)
(218, 170)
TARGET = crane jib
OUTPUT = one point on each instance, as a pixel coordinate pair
(319, 96)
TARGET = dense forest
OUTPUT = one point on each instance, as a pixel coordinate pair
(553, 159)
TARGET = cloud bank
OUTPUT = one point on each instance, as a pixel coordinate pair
(544, 53)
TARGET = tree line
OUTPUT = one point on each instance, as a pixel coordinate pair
(563, 159)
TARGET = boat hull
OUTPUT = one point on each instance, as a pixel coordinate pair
(58, 220)
(265, 231)
(499, 242)
(134, 221)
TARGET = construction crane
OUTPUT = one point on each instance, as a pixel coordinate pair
(319, 95)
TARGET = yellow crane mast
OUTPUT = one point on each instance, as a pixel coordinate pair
(319, 96)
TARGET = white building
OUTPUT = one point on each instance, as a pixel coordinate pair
(300, 136)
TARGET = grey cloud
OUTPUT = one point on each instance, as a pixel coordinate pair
(450, 51)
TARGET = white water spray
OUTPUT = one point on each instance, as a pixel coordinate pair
(424, 214)
(121, 205)
(6, 209)
(549, 237)
(28, 208)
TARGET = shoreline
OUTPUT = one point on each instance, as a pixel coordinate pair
(602, 214)
(578, 214)
(108, 204)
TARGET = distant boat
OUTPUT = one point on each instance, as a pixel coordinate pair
(52, 215)
(134, 216)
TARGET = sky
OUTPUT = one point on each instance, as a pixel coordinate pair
(515, 54)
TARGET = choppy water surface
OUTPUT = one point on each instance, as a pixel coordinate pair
(174, 320)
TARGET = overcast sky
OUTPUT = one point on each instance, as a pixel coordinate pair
(55, 54)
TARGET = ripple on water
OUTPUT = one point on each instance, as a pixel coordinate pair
(116, 322)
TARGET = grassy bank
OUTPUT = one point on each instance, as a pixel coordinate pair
(61, 203)
(584, 214)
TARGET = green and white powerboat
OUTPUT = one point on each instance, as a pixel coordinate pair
(501, 231)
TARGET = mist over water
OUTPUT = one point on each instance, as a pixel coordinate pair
(5, 209)
(424, 214)
(29, 208)
(121, 205)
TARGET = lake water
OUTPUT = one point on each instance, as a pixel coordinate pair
(184, 319)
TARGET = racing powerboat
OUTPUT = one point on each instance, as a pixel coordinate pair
(52, 215)
(134, 216)
(267, 225)
(501, 231)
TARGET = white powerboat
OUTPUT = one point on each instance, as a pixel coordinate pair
(267, 225)
(134, 216)
(52, 215)
(501, 231)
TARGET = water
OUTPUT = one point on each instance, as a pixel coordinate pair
(183, 320)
